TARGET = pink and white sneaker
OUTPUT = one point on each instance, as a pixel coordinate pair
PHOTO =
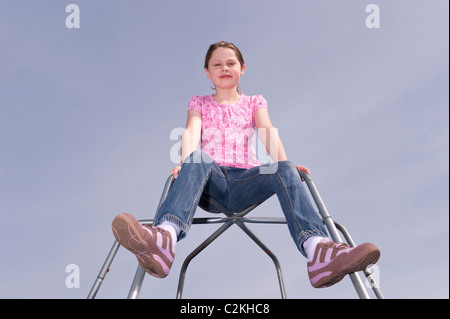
(332, 261)
(152, 246)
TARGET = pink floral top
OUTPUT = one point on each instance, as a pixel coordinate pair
(228, 131)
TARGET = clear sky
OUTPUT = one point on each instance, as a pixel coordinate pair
(86, 116)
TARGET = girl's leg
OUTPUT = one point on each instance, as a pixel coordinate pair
(328, 262)
(198, 172)
(259, 183)
(154, 245)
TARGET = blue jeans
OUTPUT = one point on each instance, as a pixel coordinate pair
(236, 189)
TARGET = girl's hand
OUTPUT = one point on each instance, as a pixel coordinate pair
(175, 171)
(302, 169)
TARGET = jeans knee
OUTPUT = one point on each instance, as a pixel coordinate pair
(288, 173)
(287, 167)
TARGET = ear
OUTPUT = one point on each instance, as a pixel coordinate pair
(207, 73)
(242, 69)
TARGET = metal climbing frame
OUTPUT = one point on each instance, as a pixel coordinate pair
(240, 220)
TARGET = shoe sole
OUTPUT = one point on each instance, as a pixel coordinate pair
(130, 234)
(366, 257)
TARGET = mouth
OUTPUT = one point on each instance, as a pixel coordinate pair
(225, 76)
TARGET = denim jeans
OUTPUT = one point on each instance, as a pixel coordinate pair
(236, 189)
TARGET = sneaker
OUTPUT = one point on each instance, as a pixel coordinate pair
(332, 261)
(152, 245)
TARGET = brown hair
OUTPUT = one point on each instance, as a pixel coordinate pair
(223, 44)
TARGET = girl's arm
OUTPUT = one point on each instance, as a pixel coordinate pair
(190, 138)
(192, 134)
(269, 136)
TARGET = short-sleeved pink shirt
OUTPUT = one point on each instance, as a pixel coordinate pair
(228, 131)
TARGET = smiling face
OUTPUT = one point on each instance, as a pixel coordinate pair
(224, 68)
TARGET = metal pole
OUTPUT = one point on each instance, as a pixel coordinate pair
(169, 182)
(368, 274)
(356, 280)
(191, 256)
(268, 252)
(137, 283)
(323, 211)
(104, 270)
(140, 272)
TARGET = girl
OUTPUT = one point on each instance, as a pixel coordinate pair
(227, 170)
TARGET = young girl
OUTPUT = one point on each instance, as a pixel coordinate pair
(227, 170)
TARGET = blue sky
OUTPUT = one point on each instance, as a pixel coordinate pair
(86, 116)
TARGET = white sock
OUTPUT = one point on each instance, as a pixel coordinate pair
(173, 230)
(310, 246)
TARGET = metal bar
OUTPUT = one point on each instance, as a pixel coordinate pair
(323, 211)
(359, 286)
(239, 219)
(140, 272)
(331, 227)
(137, 283)
(146, 221)
(269, 253)
(264, 220)
(373, 284)
(139, 276)
(169, 182)
(104, 270)
(369, 277)
(253, 220)
(196, 251)
(346, 234)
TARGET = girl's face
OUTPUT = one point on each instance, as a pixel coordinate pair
(224, 69)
